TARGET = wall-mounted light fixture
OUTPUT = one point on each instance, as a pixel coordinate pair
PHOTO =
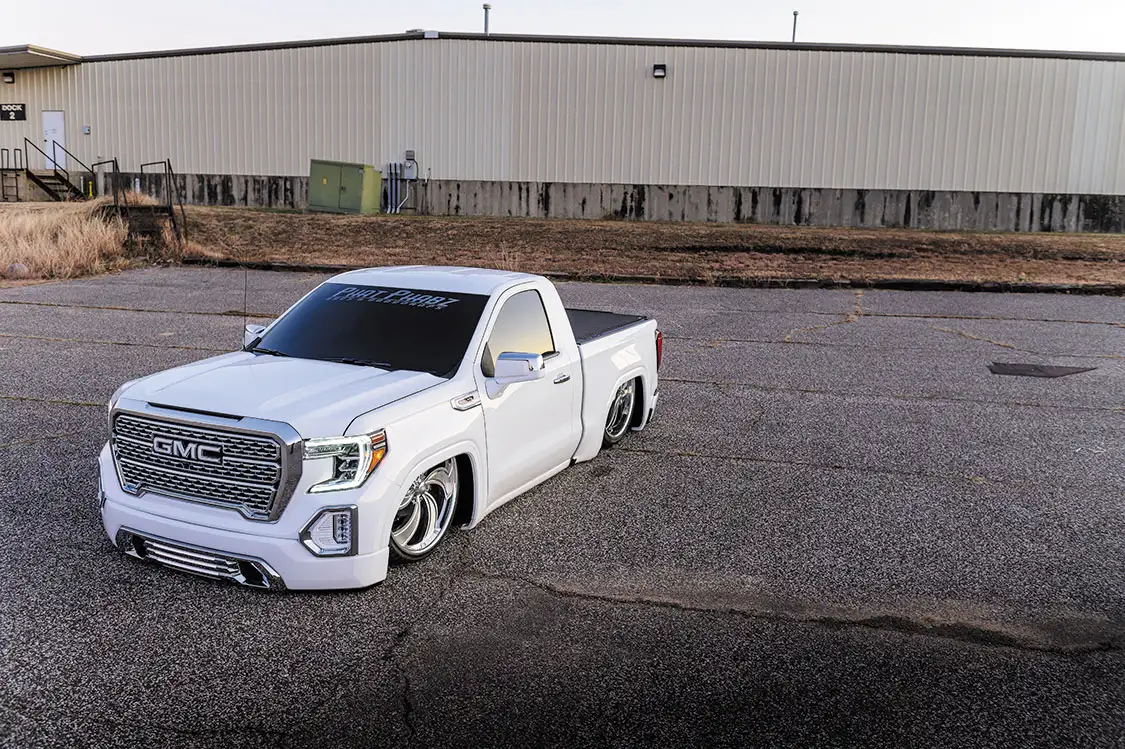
(9, 76)
(659, 70)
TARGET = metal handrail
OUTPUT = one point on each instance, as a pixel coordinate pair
(179, 198)
(169, 186)
(58, 170)
(54, 164)
(116, 177)
(55, 144)
(166, 190)
(56, 147)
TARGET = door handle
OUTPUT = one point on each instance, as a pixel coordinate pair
(564, 377)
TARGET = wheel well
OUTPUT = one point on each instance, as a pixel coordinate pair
(466, 490)
(638, 404)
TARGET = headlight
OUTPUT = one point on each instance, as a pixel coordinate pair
(332, 533)
(353, 459)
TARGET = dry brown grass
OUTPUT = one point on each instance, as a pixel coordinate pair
(705, 253)
(65, 240)
(60, 240)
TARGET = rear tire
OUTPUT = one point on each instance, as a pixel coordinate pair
(425, 513)
(620, 416)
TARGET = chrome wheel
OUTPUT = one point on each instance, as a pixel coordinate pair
(426, 512)
(620, 412)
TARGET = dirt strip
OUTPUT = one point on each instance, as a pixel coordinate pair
(721, 254)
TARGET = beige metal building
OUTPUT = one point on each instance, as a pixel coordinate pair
(786, 133)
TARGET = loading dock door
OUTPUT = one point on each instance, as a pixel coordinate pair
(54, 129)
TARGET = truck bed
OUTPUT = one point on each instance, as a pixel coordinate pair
(589, 325)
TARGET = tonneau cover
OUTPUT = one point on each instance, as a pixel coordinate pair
(589, 324)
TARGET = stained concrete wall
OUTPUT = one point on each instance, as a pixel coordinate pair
(916, 209)
(226, 189)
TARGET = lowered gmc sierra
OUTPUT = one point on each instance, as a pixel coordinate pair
(381, 409)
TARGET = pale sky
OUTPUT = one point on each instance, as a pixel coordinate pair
(106, 26)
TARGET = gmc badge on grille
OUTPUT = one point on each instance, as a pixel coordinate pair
(174, 448)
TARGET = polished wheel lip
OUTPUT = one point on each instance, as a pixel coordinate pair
(621, 410)
(426, 511)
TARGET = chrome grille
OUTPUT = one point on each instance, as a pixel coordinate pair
(233, 444)
(199, 561)
(239, 469)
(248, 477)
(190, 561)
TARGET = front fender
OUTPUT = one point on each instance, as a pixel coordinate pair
(423, 440)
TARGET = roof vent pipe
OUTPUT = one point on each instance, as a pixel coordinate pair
(487, 8)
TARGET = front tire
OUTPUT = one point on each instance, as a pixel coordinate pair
(620, 416)
(425, 513)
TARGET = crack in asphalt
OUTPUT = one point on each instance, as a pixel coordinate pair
(1108, 637)
(888, 396)
(866, 313)
(33, 440)
(1010, 347)
(103, 342)
(850, 317)
(972, 478)
(113, 308)
(390, 657)
(715, 343)
(53, 401)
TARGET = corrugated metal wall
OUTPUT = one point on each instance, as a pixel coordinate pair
(553, 112)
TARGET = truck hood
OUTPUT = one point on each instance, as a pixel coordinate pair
(317, 398)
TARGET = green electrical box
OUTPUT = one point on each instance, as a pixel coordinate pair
(344, 188)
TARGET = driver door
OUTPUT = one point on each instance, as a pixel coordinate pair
(529, 426)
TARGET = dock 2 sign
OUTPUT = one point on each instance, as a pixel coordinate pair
(13, 112)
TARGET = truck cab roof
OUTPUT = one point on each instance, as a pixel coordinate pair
(436, 278)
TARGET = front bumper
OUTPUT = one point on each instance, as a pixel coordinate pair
(187, 542)
(292, 564)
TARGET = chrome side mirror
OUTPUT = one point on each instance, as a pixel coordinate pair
(251, 334)
(518, 366)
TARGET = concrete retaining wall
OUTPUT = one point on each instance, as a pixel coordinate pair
(980, 211)
(917, 209)
(227, 189)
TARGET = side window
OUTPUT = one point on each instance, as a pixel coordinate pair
(520, 326)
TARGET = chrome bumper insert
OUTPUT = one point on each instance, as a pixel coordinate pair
(217, 565)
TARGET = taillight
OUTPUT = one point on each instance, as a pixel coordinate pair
(659, 348)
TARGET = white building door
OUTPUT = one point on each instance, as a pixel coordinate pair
(54, 130)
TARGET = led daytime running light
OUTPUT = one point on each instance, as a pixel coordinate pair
(354, 459)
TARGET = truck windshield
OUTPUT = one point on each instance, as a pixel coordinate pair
(410, 329)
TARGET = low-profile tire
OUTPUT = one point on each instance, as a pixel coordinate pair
(425, 514)
(620, 416)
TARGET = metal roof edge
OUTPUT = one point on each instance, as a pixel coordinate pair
(53, 56)
(631, 41)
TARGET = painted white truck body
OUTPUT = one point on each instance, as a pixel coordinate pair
(512, 436)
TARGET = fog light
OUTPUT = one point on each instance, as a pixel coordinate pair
(332, 533)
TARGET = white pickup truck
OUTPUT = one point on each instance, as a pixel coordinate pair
(381, 409)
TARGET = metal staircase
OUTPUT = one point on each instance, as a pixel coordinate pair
(147, 220)
(58, 183)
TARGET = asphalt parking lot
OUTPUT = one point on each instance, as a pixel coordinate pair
(842, 529)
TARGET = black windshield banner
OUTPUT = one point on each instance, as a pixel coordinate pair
(407, 297)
